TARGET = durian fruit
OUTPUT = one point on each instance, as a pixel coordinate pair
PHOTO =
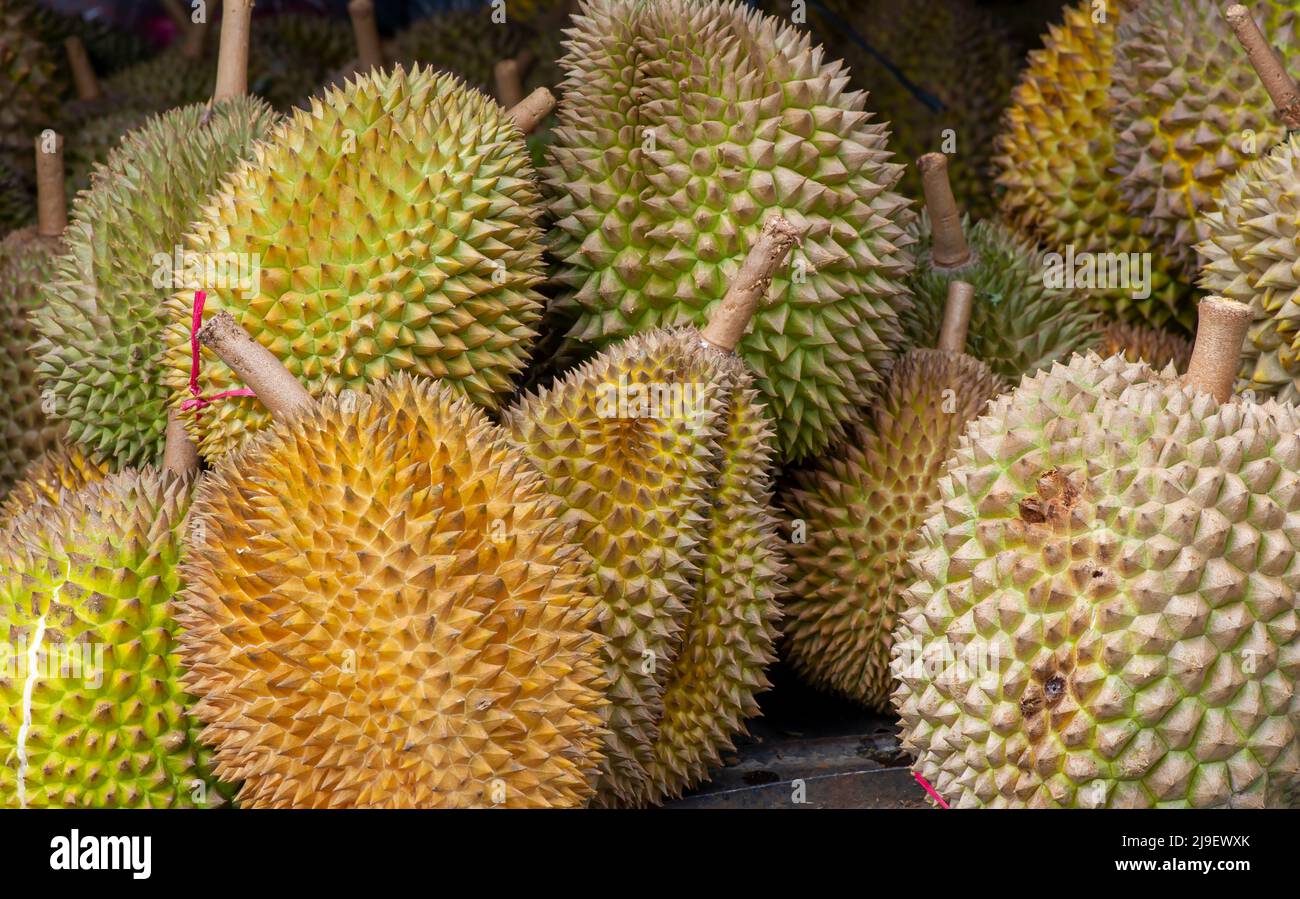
(26, 262)
(1253, 240)
(682, 122)
(1190, 113)
(661, 455)
(60, 471)
(292, 54)
(383, 607)
(940, 78)
(1136, 343)
(858, 511)
(1104, 607)
(109, 48)
(30, 88)
(1055, 153)
(467, 42)
(183, 73)
(1020, 322)
(92, 710)
(396, 230)
(101, 317)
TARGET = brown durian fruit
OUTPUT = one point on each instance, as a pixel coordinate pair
(662, 455)
(384, 608)
(1138, 343)
(855, 514)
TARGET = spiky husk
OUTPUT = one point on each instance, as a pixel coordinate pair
(100, 320)
(56, 473)
(427, 641)
(395, 226)
(1104, 606)
(1136, 343)
(166, 81)
(961, 66)
(26, 431)
(1055, 153)
(669, 492)
(291, 55)
(99, 570)
(465, 42)
(860, 509)
(1018, 325)
(1249, 256)
(30, 82)
(91, 140)
(744, 116)
(1191, 112)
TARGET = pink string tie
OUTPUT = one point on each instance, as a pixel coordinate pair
(199, 401)
(929, 789)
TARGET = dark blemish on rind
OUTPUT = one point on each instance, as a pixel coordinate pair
(1030, 706)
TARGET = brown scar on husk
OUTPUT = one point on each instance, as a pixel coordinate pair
(1056, 497)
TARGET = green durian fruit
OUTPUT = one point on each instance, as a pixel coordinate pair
(1248, 255)
(101, 719)
(953, 69)
(682, 123)
(1190, 112)
(1103, 612)
(1019, 324)
(1055, 154)
(467, 42)
(395, 225)
(859, 510)
(291, 55)
(662, 455)
(170, 79)
(100, 319)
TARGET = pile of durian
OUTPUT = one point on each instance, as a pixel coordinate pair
(471, 416)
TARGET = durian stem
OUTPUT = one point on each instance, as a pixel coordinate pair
(279, 391)
(510, 83)
(83, 73)
(232, 61)
(1281, 86)
(370, 51)
(529, 112)
(180, 455)
(51, 194)
(750, 286)
(1216, 356)
(948, 247)
(956, 317)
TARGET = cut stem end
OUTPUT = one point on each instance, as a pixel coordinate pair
(956, 317)
(948, 247)
(729, 322)
(279, 391)
(1216, 356)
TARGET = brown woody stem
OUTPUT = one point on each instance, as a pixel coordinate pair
(510, 83)
(180, 455)
(83, 73)
(729, 321)
(279, 391)
(529, 112)
(1268, 65)
(370, 51)
(51, 194)
(1216, 356)
(956, 317)
(948, 247)
(232, 60)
